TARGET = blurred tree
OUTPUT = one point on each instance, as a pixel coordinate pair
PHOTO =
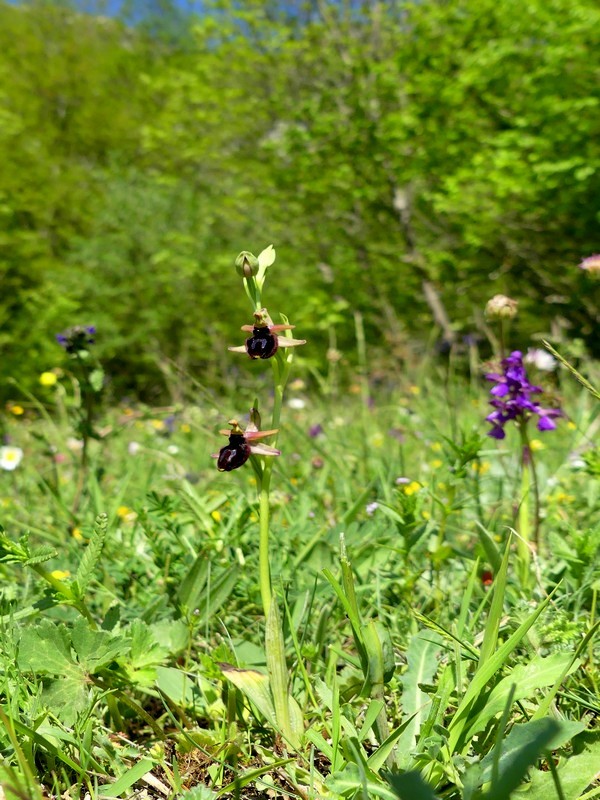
(408, 160)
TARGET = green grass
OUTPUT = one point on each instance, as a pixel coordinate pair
(133, 651)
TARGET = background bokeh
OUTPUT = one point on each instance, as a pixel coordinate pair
(393, 152)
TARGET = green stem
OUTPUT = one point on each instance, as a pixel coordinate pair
(263, 542)
(525, 536)
(530, 465)
(502, 339)
(591, 642)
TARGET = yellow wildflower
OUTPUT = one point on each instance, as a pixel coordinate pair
(563, 497)
(412, 488)
(158, 424)
(480, 466)
(17, 410)
(60, 574)
(185, 428)
(436, 463)
(377, 440)
(414, 389)
(425, 514)
(536, 444)
(436, 447)
(77, 535)
(216, 515)
(48, 379)
(571, 425)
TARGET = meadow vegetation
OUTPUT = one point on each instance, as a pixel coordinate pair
(384, 582)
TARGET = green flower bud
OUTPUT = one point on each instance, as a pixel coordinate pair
(246, 264)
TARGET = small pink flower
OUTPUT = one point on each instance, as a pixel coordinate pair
(591, 264)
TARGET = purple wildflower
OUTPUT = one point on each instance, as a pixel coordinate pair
(512, 398)
(371, 508)
(77, 338)
(315, 430)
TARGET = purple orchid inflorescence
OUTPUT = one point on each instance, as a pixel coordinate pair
(76, 338)
(512, 398)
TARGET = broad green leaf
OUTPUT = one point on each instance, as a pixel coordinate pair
(350, 783)
(255, 686)
(216, 593)
(576, 772)
(526, 679)
(377, 759)
(422, 657)
(485, 672)
(174, 634)
(266, 257)
(46, 649)
(176, 685)
(410, 786)
(95, 649)
(194, 582)
(521, 749)
(67, 696)
(97, 379)
(490, 547)
(145, 654)
(544, 706)
(278, 673)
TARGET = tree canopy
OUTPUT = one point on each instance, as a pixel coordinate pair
(387, 149)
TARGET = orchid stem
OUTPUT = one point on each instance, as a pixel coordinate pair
(527, 535)
(264, 512)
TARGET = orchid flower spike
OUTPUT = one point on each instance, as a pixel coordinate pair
(242, 445)
(264, 341)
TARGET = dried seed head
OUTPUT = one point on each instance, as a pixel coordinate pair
(501, 307)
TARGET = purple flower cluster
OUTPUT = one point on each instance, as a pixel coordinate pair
(77, 338)
(511, 398)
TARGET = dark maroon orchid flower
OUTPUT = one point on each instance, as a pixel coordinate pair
(242, 444)
(265, 341)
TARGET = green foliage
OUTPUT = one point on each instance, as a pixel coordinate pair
(446, 152)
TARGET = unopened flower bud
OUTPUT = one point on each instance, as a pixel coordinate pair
(255, 418)
(591, 264)
(246, 264)
(501, 307)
